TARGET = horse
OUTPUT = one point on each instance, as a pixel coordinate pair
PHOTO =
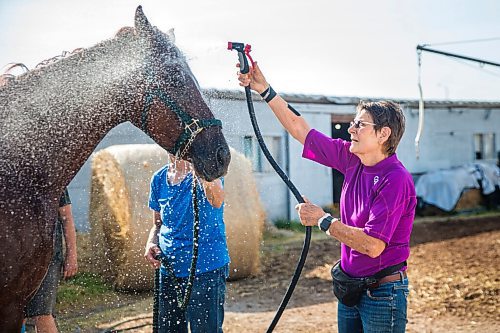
(53, 117)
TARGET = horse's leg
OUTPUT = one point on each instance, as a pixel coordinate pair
(16, 296)
(26, 255)
(11, 318)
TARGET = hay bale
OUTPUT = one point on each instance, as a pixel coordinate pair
(244, 216)
(119, 215)
(120, 218)
(469, 200)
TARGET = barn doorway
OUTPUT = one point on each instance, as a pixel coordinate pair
(340, 125)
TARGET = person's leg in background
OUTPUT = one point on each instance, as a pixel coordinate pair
(41, 307)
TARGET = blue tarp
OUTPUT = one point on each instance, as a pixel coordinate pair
(443, 188)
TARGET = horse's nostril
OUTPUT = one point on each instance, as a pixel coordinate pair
(222, 155)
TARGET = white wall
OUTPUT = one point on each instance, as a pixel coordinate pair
(448, 137)
(311, 179)
(236, 124)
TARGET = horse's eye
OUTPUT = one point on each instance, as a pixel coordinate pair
(175, 77)
(179, 79)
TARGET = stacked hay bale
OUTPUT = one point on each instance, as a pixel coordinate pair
(120, 218)
(470, 199)
(244, 217)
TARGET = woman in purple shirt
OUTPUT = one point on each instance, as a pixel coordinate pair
(377, 204)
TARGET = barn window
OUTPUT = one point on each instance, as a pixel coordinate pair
(484, 146)
(253, 152)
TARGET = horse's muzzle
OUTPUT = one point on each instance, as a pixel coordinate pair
(211, 161)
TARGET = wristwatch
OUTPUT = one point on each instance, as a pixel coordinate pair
(325, 221)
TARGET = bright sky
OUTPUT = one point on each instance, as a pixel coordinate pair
(331, 47)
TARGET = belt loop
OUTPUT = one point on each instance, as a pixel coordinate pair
(401, 276)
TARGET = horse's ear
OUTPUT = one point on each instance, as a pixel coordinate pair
(171, 35)
(142, 24)
(125, 32)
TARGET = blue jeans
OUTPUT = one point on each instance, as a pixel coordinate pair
(380, 310)
(205, 311)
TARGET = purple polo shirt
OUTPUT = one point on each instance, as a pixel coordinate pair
(379, 199)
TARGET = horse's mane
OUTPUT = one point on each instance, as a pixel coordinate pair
(127, 33)
(18, 83)
(7, 75)
(56, 58)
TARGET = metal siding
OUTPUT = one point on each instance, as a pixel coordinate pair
(312, 179)
(447, 139)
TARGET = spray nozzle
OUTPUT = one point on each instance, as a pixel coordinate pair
(240, 47)
(243, 52)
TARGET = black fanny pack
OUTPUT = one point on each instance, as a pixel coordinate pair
(348, 290)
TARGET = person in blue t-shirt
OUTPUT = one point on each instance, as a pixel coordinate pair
(172, 235)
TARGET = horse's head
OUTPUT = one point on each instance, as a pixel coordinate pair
(174, 112)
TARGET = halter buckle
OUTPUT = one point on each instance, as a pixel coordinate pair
(193, 127)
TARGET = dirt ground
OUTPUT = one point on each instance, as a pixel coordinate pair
(453, 272)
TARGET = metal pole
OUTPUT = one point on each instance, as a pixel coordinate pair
(485, 62)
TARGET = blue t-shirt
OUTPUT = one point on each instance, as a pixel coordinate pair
(174, 203)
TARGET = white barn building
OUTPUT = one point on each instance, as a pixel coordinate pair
(455, 133)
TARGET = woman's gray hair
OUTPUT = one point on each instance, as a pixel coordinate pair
(386, 114)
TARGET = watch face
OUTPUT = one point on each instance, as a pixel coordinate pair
(325, 223)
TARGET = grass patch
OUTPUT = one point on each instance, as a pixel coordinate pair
(293, 225)
(80, 288)
(86, 301)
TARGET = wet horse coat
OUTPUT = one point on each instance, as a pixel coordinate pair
(52, 118)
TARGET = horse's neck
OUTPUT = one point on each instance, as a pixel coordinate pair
(63, 111)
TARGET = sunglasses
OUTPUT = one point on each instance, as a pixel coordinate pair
(360, 123)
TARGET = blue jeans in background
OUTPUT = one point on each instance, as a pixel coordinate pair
(205, 311)
(380, 310)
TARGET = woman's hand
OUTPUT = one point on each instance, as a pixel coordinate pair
(254, 78)
(309, 213)
(151, 251)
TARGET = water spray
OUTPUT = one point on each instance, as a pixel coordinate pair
(244, 53)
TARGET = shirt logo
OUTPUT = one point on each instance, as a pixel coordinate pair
(375, 180)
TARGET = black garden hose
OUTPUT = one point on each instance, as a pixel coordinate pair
(291, 186)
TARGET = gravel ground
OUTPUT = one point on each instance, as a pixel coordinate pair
(454, 286)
